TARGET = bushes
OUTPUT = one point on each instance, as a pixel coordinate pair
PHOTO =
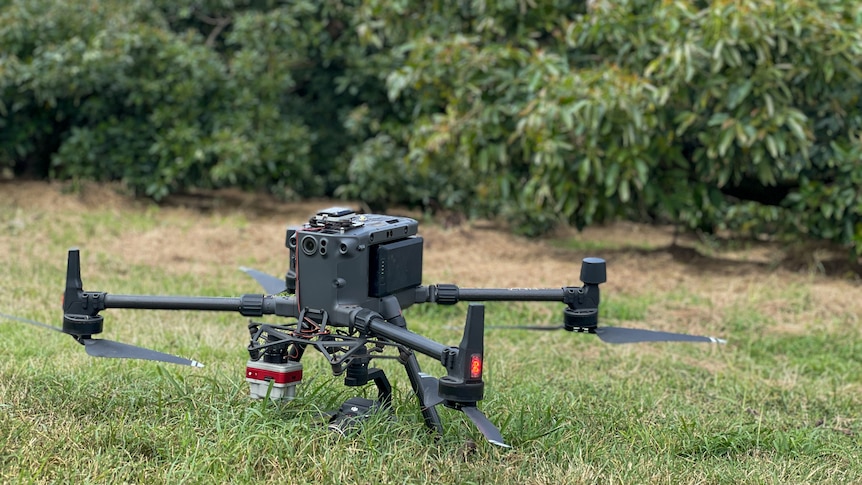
(741, 114)
(738, 114)
(113, 93)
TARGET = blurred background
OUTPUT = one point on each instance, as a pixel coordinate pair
(741, 116)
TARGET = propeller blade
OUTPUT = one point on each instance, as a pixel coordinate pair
(117, 350)
(526, 327)
(620, 335)
(270, 284)
(32, 322)
(109, 348)
(486, 427)
(429, 390)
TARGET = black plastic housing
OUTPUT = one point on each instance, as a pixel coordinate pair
(395, 266)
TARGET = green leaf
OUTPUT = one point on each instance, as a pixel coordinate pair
(583, 170)
(771, 146)
(796, 128)
(727, 137)
(624, 191)
(738, 93)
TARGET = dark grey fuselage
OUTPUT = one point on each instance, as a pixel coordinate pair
(342, 260)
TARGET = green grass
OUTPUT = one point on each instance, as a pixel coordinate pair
(773, 406)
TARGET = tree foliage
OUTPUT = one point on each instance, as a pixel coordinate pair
(737, 114)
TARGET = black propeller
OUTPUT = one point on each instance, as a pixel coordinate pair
(430, 385)
(119, 350)
(463, 387)
(486, 427)
(621, 335)
(271, 284)
(81, 320)
(112, 349)
(32, 322)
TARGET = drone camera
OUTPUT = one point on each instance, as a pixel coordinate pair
(278, 381)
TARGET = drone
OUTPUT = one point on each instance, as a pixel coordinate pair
(350, 277)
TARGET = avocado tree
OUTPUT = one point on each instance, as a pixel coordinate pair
(740, 114)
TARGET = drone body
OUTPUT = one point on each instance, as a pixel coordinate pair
(349, 278)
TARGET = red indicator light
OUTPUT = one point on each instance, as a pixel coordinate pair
(476, 366)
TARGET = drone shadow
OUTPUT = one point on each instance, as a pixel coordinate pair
(819, 259)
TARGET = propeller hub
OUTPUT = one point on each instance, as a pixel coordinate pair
(580, 319)
(82, 325)
(453, 390)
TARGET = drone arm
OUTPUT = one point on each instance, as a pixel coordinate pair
(445, 294)
(449, 294)
(157, 302)
(593, 273)
(250, 305)
(573, 296)
(367, 321)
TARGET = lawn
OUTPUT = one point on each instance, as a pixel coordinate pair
(780, 403)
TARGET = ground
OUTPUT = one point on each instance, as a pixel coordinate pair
(778, 404)
(641, 258)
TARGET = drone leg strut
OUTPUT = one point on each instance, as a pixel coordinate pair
(384, 388)
(391, 311)
(429, 413)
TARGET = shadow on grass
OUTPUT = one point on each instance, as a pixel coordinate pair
(809, 259)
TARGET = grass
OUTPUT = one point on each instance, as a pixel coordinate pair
(779, 404)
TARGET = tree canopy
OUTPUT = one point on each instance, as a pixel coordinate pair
(722, 114)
